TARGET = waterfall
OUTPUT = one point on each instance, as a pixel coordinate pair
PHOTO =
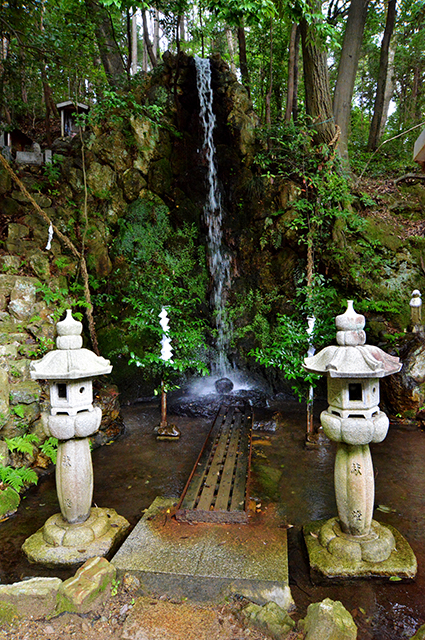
(219, 262)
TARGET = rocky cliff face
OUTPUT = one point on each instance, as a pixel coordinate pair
(132, 156)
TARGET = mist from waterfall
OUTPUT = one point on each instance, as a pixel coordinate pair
(219, 262)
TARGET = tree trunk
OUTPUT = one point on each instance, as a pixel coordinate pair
(295, 109)
(144, 57)
(148, 43)
(129, 40)
(156, 34)
(414, 93)
(316, 81)
(389, 90)
(110, 54)
(269, 92)
(347, 70)
(182, 29)
(134, 32)
(243, 63)
(375, 126)
(291, 74)
(229, 38)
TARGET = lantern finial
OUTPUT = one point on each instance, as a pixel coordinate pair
(69, 333)
(350, 327)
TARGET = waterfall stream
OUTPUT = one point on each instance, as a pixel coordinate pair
(219, 262)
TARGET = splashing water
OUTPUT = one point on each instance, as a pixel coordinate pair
(219, 262)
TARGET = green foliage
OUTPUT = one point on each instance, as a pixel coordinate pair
(286, 344)
(52, 171)
(19, 410)
(233, 11)
(324, 193)
(393, 306)
(18, 478)
(165, 268)
(61, 299)
(117, 107)
(22, 444)
(50, 448)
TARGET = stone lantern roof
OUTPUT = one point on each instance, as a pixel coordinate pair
(69, 361)
(352, 358)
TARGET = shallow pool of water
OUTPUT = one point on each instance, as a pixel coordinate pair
(130, 473)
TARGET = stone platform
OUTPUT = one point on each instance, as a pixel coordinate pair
(338, 566)
(206, 562)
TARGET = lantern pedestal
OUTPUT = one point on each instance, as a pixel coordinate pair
(353, 545)
(79, 532)
(59, 543)
(335, 556)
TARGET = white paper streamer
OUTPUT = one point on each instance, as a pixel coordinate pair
(166, 351)
(50, 238)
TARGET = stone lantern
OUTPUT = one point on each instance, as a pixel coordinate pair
(79, 531)
(353, 544)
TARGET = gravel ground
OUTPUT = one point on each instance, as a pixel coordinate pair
(126, 617)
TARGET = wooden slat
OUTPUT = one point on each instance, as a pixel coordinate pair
(197, 477)
(217, 487)
(242, 467)
(226, 479)
(211, 480)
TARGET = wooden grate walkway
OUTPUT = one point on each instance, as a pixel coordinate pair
(217, 487)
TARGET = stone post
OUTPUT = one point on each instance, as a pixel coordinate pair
(416, 312)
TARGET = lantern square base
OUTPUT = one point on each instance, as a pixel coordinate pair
(326, 567)
(59, 543)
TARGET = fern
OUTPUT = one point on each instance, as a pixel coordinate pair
(50, 448)
(22, 444)
(17, 478)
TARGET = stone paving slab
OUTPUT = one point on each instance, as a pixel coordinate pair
(204, 561)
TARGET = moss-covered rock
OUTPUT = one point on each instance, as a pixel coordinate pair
(5, 181)
(328, 620)
(146, 136)
(8, 612)
(101, 180)
(90, 586)
(270, 618)
(160, 177)
(112, 148)
(9, 502)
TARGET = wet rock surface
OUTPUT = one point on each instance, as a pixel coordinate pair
(209, 404)
(223, 385)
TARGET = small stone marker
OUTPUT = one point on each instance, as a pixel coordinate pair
(416, 312)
